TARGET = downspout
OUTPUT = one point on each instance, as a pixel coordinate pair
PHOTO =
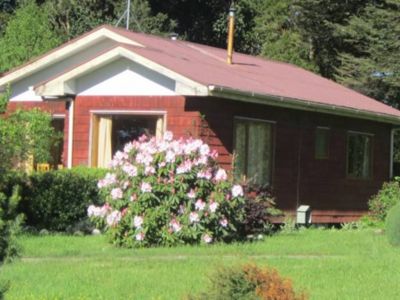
(70, 131)
(391, 161)
(298, 180)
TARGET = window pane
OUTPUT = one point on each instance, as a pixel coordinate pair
(359, 156)
(240, 149)
(129, 128)
(322, 143)
(259, 153)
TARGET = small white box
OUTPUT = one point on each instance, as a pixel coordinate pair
(303, 215)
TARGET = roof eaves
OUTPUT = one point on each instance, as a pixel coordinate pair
(301, 104)
(63, 50)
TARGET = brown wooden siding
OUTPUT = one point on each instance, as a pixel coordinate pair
(299, 178)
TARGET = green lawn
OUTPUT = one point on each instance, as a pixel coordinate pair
(328, 264)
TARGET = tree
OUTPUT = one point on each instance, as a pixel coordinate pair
(316, 21)
(370, 62)
(27, 35)
(281, 40)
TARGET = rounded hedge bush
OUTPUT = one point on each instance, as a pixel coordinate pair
(393, 225)
(168, 192)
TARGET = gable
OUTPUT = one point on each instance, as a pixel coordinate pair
(124, 77)
(22, 88)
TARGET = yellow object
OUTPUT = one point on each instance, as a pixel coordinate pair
(231, 30)
(43, 167)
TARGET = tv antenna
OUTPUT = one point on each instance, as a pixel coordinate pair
(126, 15)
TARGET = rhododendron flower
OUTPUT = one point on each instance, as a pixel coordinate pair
(194, 217)
(175, 225)
(191, 194)
(223, 222)
(145, 187)
(221, 175)
(125, 185)
(140, 236)
(149, 170)
(184, 168)
(170, 156)
(116, 193)
(202, 160)
(237, 191)
(113, 218)
(133, 197)
(109, 179)
(138, 221)
(130, 170)
(204, 149)
(181, 210)
(213, 206)
(207, 238)
(128, 147)
(204, 174)
(162, 164)
(98, 211)
(200, 204)
(168, 136)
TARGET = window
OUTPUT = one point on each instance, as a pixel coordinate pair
(322, 143)
(359, 155)
(253, 150)
(112, 131)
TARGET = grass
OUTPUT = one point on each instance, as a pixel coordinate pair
(328, 264)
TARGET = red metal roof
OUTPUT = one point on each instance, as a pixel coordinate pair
(207, 65)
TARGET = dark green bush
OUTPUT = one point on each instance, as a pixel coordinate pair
(58, 200)
(393, 225)
(387, 197)
(259, 209)
(9, 225)
(249, 282)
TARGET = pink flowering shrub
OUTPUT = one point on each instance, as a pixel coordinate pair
(168, 192)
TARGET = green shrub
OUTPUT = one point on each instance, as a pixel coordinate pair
(57, 200)
(9, 225)
(393, 225)
(248, 283)
(387, 197)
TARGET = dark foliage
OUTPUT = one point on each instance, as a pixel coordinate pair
(259, 208)
(56, 200)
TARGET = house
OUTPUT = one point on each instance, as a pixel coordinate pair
(316, 142)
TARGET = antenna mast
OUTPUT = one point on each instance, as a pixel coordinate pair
(126, 14)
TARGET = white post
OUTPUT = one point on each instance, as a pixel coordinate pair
(70, 132)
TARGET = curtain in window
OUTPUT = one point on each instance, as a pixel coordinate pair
(104, 154)
(160, 127)
(259, 141)
(366, 158)
(253, 140)
(240, 149)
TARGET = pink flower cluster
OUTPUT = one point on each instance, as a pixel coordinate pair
(184, 174)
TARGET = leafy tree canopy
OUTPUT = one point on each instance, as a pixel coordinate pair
(27, 35)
